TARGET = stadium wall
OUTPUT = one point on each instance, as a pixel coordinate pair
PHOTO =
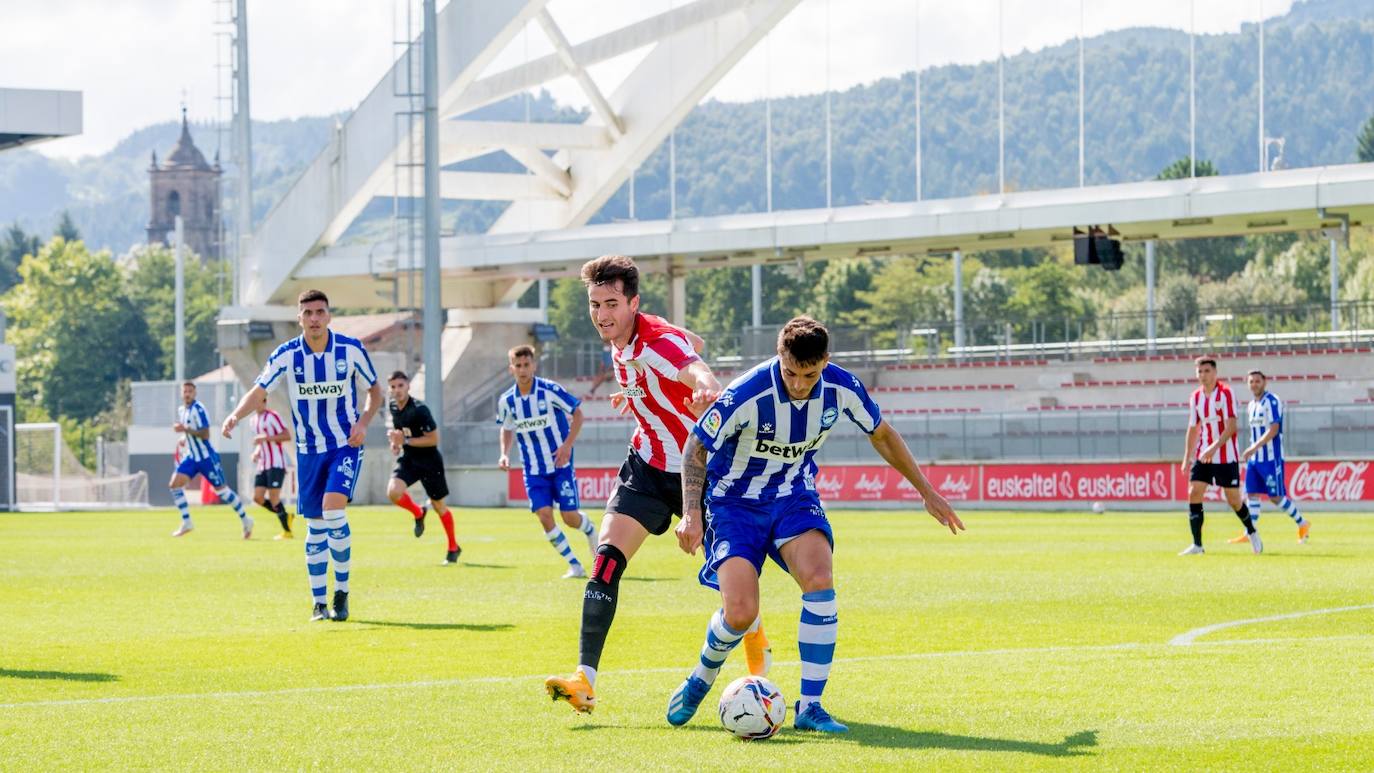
(1143, 486)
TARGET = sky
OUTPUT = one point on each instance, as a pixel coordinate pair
(136, 61)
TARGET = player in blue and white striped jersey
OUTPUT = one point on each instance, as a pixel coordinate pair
(1264, 456)
(321, 369)
(752, 459)
(201, 458)
(544, 418)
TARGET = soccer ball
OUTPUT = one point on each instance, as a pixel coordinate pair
(752, 708)
(1099, 508)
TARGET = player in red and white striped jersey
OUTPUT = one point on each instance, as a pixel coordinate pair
(665, 385)
(270, 437)
(1211, 455)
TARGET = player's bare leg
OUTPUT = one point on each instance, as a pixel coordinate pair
(621, 538)
(739, 610)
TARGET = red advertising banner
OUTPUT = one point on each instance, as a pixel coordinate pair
(1033, 482)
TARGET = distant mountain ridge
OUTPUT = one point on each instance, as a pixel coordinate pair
(1319, 89)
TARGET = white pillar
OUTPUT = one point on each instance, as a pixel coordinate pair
(1335, 285)
(243, 141)
(959, 300)
(1150, 332)
(756, 293)
(677, 295)
(179, 305)
(544, 297)
(433, 300)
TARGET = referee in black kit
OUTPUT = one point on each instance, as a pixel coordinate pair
(415, 438)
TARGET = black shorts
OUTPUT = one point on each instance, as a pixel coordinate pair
(647, 494)
(431, 476)
(1225, 475)
(272, 477)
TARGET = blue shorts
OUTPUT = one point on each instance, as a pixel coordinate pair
(755, 530)
(1265, 478)
(558, 486)
(332, 472)
(209, 467)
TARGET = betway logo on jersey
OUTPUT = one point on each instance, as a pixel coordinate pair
(532, 424)
(320, 390)
(786, 452)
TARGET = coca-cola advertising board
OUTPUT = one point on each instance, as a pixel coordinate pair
(1033, 482)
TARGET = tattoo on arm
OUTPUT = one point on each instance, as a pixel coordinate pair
(693, 474)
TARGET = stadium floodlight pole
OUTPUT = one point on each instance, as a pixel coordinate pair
(179, 302)
(1150, 296)
(1263, 147)
(243, 142)
(1081, 106)
(918, 100)
(1001, 113)
(433, 311)
(1335, 285)
(1192, 88)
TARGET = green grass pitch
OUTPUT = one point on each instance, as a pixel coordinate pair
(1031, 641)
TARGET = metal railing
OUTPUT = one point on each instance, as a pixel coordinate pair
(155, 402)
(1310, 431)
(1229, 329)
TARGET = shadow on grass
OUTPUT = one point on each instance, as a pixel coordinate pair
(1075, 745)
(481, 627)
(471, 565)
(648, 579)
(66, 676)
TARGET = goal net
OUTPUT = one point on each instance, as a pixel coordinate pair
(49, 477)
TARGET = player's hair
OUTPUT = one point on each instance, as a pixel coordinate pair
(523, 350)
(1206, 359)
(310, 296)
(1258, 372)
(190, 384)
(608, 268)
(399, 374)
(804, 340)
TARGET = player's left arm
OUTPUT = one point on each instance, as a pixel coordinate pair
(245, 407)
(1269, 434)
(890, 445)
(363, 364)
(690, 529)
(704, 384)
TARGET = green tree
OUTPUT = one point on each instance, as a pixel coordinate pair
(76, 332)
(66, 228)
(1364, 144)
(1045, 293)
(150, 282)
(1206, 259)
(1182, 169)
(15, 243)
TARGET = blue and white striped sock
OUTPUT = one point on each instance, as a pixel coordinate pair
(816, 643)
(720, 641)
(560, 543)
(179, 499)
(586, 527)
(340, 546)
(228, 497)
(317, 558)
(1254, 505)
(1292, 510)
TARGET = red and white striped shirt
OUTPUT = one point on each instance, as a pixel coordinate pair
(270, 454)
(647, 370)
(1209, 413)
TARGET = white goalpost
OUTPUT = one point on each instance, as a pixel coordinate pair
(48, 477)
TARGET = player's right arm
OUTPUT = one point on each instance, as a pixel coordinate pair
(690, 528)
(507, 437)
(245, 407)
(1189, 443)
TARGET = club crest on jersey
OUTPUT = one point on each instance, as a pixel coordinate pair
(712, 422)
(340, 367)
(633, 392)
(727, 398)
(828, 418)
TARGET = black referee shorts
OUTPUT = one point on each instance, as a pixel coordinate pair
(647, 494)
(431, 476)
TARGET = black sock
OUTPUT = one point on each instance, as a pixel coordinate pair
(1195, 521)
(264, 504)
(1244, 515)
(598, 604)
(283, 516)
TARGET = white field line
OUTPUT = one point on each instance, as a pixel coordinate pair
(1186, 639)
(476, 680)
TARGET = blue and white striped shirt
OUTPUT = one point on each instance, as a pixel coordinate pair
(323, 391)
(195, 417)
(761, 444)
(539, 421)
(1264, 411)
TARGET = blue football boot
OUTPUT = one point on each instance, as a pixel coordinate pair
(684, 702)
(816, 718)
